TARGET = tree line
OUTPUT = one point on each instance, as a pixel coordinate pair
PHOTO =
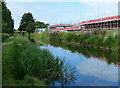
(7, 20)
(27, 23)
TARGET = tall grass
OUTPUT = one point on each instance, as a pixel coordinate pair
(42, 37)
(31, 61)
(95, 39)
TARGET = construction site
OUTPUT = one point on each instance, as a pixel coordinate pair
(107, 23)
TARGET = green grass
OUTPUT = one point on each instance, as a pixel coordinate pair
(25, 64)
(8, 68)
(107, 40)
(4, 36)
(102, 38)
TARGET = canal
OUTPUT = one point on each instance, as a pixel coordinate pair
(90, 70)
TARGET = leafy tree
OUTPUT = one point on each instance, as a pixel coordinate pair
(39, 24)
(7, 21)
(46, 25)
(27, 23)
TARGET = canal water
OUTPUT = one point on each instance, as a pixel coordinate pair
(89, 70)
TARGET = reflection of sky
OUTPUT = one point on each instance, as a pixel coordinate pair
(66, 55)
(99, 69)
(89, 71)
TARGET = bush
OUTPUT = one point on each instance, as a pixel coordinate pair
(33, 81)
(36, 62)
(90, 40)
(99, 32)
(97, 38)
(83, 38)
(110, 41)
(5, 36)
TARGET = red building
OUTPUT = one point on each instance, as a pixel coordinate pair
(102, 23)
(62, 27)
(59, 26)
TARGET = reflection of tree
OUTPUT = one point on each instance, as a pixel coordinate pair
(110, 55)
(67, 76)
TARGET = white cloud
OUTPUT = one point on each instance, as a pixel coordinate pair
(99, 69)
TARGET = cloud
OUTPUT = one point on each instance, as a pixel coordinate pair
(99, 69)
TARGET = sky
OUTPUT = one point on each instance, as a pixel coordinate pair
(68, 12)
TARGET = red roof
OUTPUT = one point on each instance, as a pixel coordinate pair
(101, 19)
(60, 25)
(71, 28)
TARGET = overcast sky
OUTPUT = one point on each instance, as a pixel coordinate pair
(62, 12)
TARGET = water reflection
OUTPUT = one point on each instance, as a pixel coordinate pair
(110, 55)
(90, 71)
(99, 69)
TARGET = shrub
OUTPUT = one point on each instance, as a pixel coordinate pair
(90, 40)
(36, 62)
(83, 38)
(99, 32)
(110, 41)
(5, 36)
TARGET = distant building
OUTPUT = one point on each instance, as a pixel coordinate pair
(102, 23)
(62, 27)
(58, 26)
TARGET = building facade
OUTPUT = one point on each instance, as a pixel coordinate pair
(103, 23)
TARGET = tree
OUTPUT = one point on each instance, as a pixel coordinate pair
(46, 25)
(27, 23)
(39, 24)
(7, 21)
(30, 28)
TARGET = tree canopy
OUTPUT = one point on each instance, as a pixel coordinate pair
(27, 23)
(39, 24)
(7, 21)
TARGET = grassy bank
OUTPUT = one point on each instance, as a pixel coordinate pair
(11, 67)
(102, 44)
(97, 39)
(4, 36)
(24, 64)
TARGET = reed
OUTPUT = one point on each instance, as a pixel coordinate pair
(29, 60)
(95, 38)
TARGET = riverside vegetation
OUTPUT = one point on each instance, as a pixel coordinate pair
(91, 43)
(24, 64)
(100, 39)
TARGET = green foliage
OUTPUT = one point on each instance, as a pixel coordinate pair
(33, 81)
(5, 36)
(9, 63)
(95, 39)
(7, 21)
(24, 58)
(70, 37)
(110, 41)
(55, 37)
(27, 23)
(41, 64)
(99, 32)
(39, 24)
